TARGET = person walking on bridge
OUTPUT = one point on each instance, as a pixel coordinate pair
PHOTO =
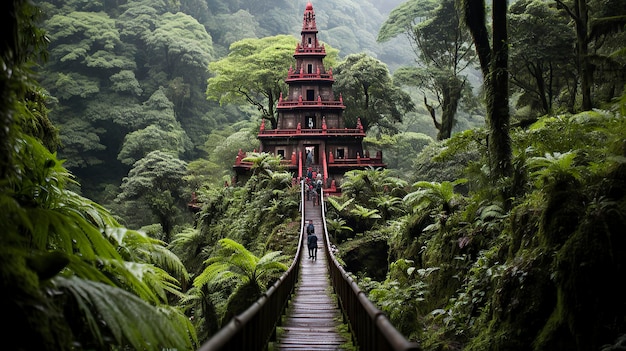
(311, 240)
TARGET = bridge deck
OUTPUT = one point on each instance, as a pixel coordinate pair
(313, 316)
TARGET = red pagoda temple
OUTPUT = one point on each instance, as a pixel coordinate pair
(311, 132)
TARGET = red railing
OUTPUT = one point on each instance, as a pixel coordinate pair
(321, 50)
(285, 104)
(305, 131)
(319, 76)
(338, 162)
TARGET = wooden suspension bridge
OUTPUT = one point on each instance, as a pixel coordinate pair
(314, 306)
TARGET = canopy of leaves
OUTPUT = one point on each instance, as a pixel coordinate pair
(543, 69)
(253, 73)
(369, 93)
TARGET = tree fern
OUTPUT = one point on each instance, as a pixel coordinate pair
(263, 163)
(340, 207)
(234, 261)
(554, 167)
(388, 205)
(94, 246)
(432, 195)
(365, 213)
(337, 226)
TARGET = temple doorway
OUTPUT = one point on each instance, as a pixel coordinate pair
(311, 153)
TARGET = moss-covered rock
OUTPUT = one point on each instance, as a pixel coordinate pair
(366, 255)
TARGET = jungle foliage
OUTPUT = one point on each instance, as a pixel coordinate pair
(480, 277)
(259, 221)
(124, 79)
(458, 251)
(73, 277)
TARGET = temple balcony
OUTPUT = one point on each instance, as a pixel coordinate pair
(306, 77)
(268, 133)
(317, 103)
(301, 103)
(313, 49)
(350, 163)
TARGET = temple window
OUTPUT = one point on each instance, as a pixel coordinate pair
(340, 153)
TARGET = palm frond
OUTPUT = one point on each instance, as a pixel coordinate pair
(338, 206)
(137, 246)
(129, 319)
(365, 213)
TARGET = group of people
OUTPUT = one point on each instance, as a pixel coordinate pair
(311, 240)
(313, 186)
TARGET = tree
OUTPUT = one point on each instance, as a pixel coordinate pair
(180, 47)
(253, 73)
(369, 93)
(396, 149)
(263, 164)
(365, 185)
(155, 128)
(611, 18)
(493, 60)
(156, 182)
(541, 69)
(444, 49)
(124, 54)
(439, 197)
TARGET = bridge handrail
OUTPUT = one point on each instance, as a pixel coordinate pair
(369, 325)
(257, 325)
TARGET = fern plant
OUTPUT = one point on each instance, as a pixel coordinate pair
(78, 249)
(337, 227)
(433, 195)
(554, 167)
(249, 273)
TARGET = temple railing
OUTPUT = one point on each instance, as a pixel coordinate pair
(255, 327)
(298, 75)
(329, 164)
(284, 104)
(307, 131)
(369, 325)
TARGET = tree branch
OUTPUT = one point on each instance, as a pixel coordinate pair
(431, 110)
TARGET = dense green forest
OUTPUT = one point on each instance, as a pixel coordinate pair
(498, 224)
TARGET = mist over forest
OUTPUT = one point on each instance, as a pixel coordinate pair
(496, 225)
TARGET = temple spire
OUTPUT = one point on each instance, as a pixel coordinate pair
(308, 22)
(309, 30)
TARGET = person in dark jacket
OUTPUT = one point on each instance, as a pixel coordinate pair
(311, 240)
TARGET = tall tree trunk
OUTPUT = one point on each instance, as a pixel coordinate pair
(537, 73)
(494, 65)
(498, 98)
(580, 16)
(581, 21)
(270, 110)
(451, 97)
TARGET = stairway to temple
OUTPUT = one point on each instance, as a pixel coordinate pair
(313, 317)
